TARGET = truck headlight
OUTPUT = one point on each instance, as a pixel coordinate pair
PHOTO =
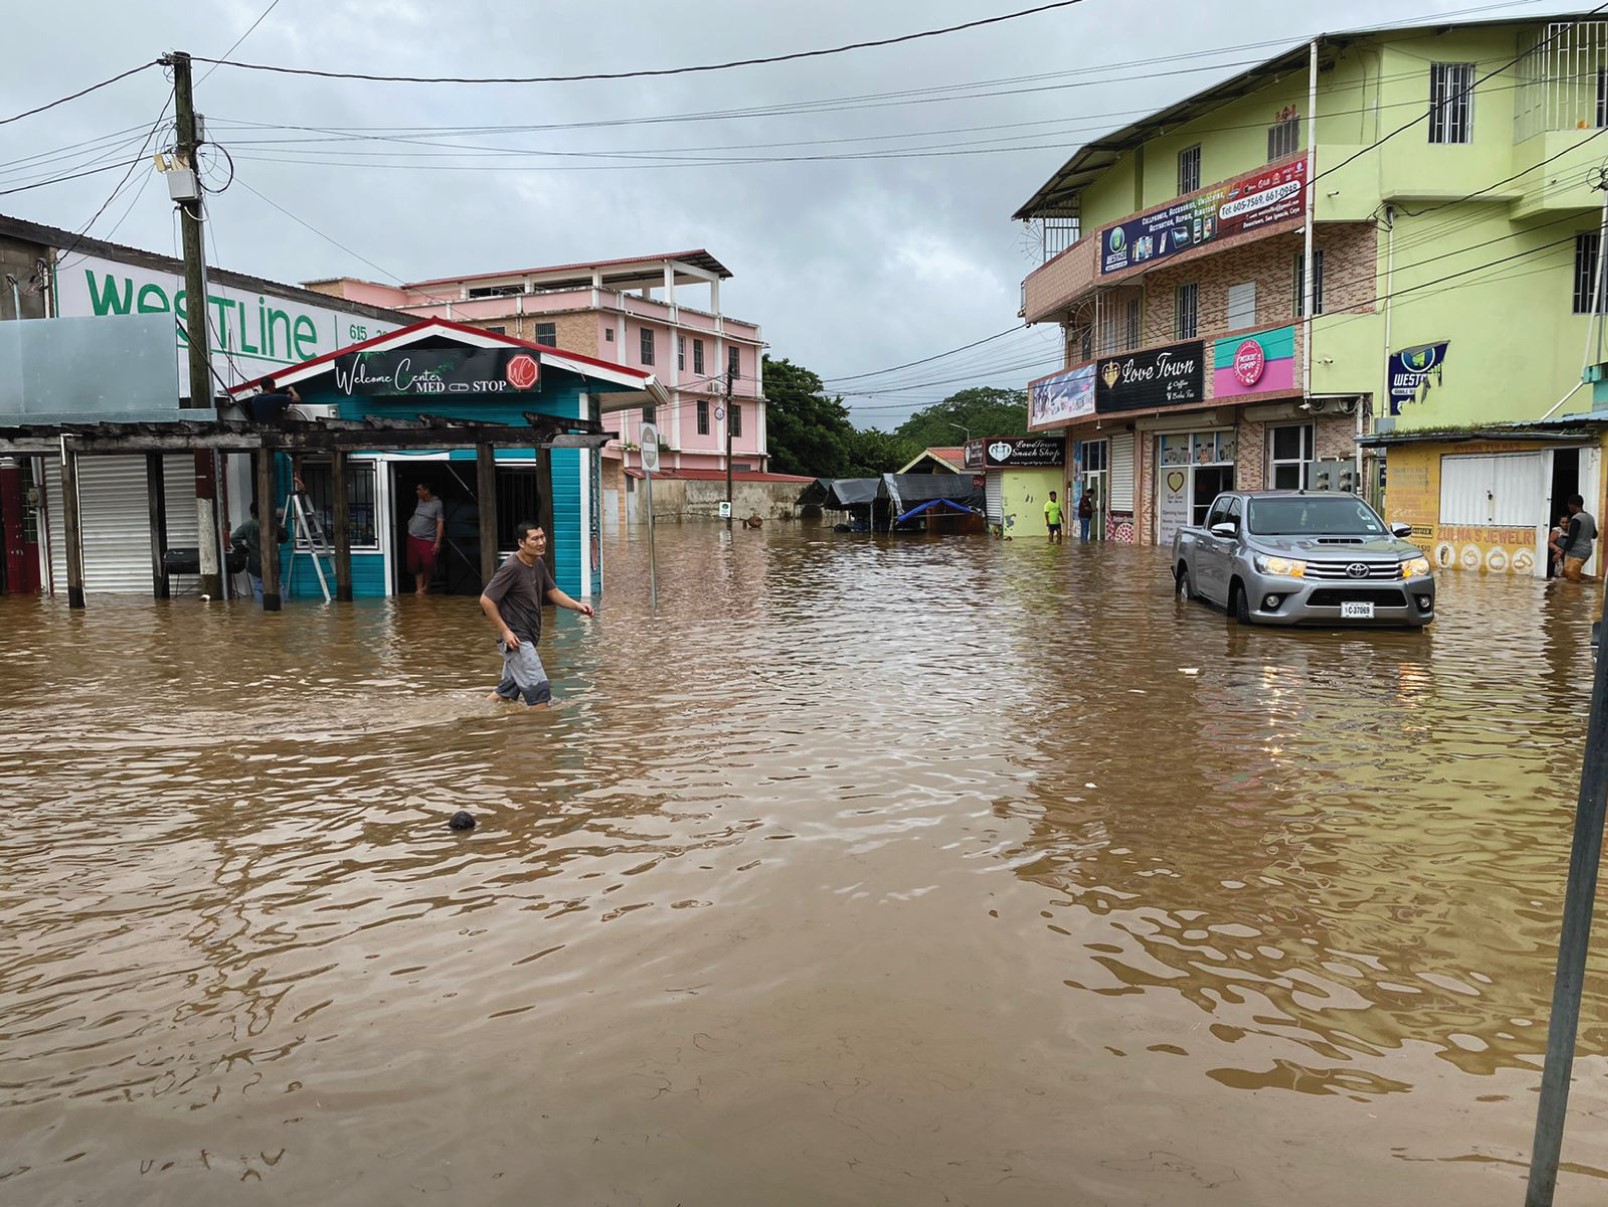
(1288, 567)
(1416, 567)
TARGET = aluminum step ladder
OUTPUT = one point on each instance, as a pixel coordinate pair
(307, 538)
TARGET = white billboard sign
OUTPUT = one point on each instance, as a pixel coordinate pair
(251, 333)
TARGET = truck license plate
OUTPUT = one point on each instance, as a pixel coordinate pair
(1356, 611)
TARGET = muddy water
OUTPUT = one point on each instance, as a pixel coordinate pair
(863, 872)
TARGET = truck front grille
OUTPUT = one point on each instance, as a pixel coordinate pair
(1374, 569)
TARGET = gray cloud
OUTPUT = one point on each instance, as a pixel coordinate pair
(850, 266)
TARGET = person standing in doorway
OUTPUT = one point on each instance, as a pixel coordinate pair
(1085, 514)
(426, 529)
(512, 602)
(1052, 518)
(1577, 544)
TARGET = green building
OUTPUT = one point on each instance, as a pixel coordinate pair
(1451, 175)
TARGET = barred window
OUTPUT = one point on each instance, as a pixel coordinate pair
(697, 356)
(647, 345)
(703, 416)
(1189, 169)
(547, 334)
(361, 516)
(734, 362)
(1186, 311)
(1451, 102)
(1300, 283)
(1587, 286)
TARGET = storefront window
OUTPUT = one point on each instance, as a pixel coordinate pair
(1290, 457)
(316, 476)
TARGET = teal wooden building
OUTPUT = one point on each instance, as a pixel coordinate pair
(443, 370)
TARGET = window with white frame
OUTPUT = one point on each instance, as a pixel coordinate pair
(547, 334)
(1186, 310)
(703, 416)
(697, 356)
(1587, 278)
(1189, 169)
(647, 345)
(1242, 306)
(1283, 139)
(1300, 283)
(1451, 102)
(734, 362)
(1290, 456)
(681, 352)
(736, 420)
(362, 520)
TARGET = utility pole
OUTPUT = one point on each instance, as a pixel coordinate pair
(195, 324)
(731, 380)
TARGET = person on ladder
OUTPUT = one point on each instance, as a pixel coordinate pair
(426, 528)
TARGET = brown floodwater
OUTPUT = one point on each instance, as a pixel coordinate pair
(864, 871)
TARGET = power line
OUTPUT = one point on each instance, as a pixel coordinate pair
(6, 121)
(319, 233)
(650, 72)
(252, 29)
(121, 184)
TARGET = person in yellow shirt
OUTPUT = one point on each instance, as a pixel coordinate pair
(1052, 518)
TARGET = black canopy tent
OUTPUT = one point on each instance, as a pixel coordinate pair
(884, 502)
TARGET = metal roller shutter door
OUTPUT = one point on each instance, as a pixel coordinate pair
(994, 497)
(116, 519)
(1121, 472)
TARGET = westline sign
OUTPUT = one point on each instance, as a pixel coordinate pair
(1162, 377)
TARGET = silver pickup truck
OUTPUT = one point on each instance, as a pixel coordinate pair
(1303, 557)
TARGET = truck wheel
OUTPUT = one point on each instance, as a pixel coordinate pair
(1186, 588)
(1240, 605)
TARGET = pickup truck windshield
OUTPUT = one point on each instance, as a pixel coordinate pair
(1301, 515)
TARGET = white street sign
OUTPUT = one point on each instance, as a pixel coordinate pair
(650, 448)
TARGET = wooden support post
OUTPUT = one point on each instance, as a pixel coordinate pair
(72, 527)
(486, 488)
(268, 530)
(544, 505)
(156, 493)
(342, 520)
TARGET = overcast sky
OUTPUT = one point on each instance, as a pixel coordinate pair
(850, 265)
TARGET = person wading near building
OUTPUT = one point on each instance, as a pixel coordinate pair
(1577, 544)
(1085, 514)
(249, 537)
(426, 529)
(512, 601)
(1052, 517)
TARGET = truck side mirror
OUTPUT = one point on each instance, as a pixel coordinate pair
(1401, 530)
(1224, 529)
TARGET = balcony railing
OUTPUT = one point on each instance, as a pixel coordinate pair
(1563, 80)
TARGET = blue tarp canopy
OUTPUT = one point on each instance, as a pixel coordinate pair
(945, 504)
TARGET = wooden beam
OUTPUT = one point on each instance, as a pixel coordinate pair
(486, 488)
(268, 531)
(156, 494)
(342, 519)
(72, 527)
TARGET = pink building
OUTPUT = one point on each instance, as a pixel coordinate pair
(632, 312)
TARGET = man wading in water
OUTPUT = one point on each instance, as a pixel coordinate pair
(512, 601)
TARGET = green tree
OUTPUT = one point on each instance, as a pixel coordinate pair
(808, 432)
(982, 411)
(875, 452)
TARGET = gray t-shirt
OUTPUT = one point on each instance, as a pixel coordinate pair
(1585, 532)
(425, 515)
(519, 591)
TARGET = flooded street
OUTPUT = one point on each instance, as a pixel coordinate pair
(865, 871)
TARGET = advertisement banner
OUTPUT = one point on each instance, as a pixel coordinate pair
(1273, 194)
(251, 333)
(1161, 377)
(1260, 363)
(446, 371)
(1061, 398)
(1414, 372)
(1016, 452)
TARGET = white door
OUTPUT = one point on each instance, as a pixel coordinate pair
(1591, 491)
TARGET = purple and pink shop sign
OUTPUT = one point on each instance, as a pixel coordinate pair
(1260, 363)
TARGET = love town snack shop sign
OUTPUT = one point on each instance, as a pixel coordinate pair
(437, 371)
